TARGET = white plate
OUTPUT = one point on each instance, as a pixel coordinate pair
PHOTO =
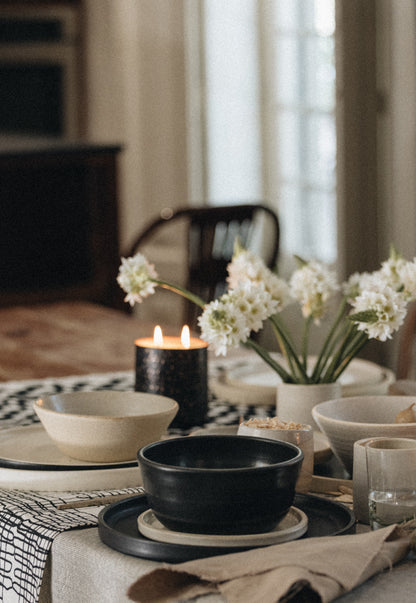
(63, 481)
(31, 448)
(254, 382)
(321, 448)
(292, 526)
(29, 460)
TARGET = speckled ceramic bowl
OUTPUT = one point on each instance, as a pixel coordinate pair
(347, 420)
(105, 426)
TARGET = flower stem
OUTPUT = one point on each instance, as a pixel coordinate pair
(352, 342)
(305, 342)
(299, 374)
(264, 354)
(329, 343)
(184, 292)
(288, 357)
(328, 375)
(361, 341)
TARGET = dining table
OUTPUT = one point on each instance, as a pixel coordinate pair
(51, 550)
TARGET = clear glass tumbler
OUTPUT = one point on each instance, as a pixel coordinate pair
(391, 469)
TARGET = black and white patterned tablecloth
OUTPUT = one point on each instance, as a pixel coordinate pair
(17, 397)
(29, 522)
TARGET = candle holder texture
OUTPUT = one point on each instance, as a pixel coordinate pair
(181, 374)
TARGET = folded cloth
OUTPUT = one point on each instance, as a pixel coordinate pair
(29, 522)
(314, 569)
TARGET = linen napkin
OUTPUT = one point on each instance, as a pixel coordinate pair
(29, 522)
(315, 569)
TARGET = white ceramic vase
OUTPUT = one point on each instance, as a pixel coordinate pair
(294, 402)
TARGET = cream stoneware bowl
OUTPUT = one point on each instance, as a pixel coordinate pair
(347, 420)
(105, 426)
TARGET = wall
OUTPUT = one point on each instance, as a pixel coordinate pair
(396, 77)
(136, 96)
(397, 124)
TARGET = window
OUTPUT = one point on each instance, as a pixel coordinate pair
(268, 114)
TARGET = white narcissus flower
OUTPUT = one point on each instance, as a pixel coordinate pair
(383, 312)
(222, 326)
(228, 321)
(279, 290)
(400, 274)
(378, 301)
(407, 275)
(254, 302)
(312, 286)
(390, 271)
(358, 282)
(397, 273)
(135, 278)
(246, 266)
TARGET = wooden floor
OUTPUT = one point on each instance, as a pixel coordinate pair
(70, 338)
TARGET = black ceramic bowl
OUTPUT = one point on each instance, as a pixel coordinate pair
(220, 484)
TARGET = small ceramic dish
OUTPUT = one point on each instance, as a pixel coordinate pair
(105, 426)
(292, 526)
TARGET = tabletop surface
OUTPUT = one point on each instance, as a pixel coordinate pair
(66, 338)
(69, 339)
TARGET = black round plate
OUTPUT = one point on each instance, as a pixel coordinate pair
(117, 526)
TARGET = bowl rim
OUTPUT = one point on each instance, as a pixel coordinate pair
(160, 413)
(166, 467)
(303, 427)
(317, 415)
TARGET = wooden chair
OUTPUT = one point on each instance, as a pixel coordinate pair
(210, 233)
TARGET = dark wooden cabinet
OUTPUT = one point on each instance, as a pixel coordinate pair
(58, 222)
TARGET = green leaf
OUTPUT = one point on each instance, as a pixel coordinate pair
(394, 254)
(300, 261)
(364, 316)
(238, 247)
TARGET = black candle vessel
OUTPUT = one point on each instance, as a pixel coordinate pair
(177, 370)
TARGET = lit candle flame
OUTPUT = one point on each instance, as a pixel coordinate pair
(186, 337)
(159, 342)
(158, 336)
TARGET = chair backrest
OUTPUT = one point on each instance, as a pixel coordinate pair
(210, 235)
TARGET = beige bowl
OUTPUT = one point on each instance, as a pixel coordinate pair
(347, 420)
(105, 426)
